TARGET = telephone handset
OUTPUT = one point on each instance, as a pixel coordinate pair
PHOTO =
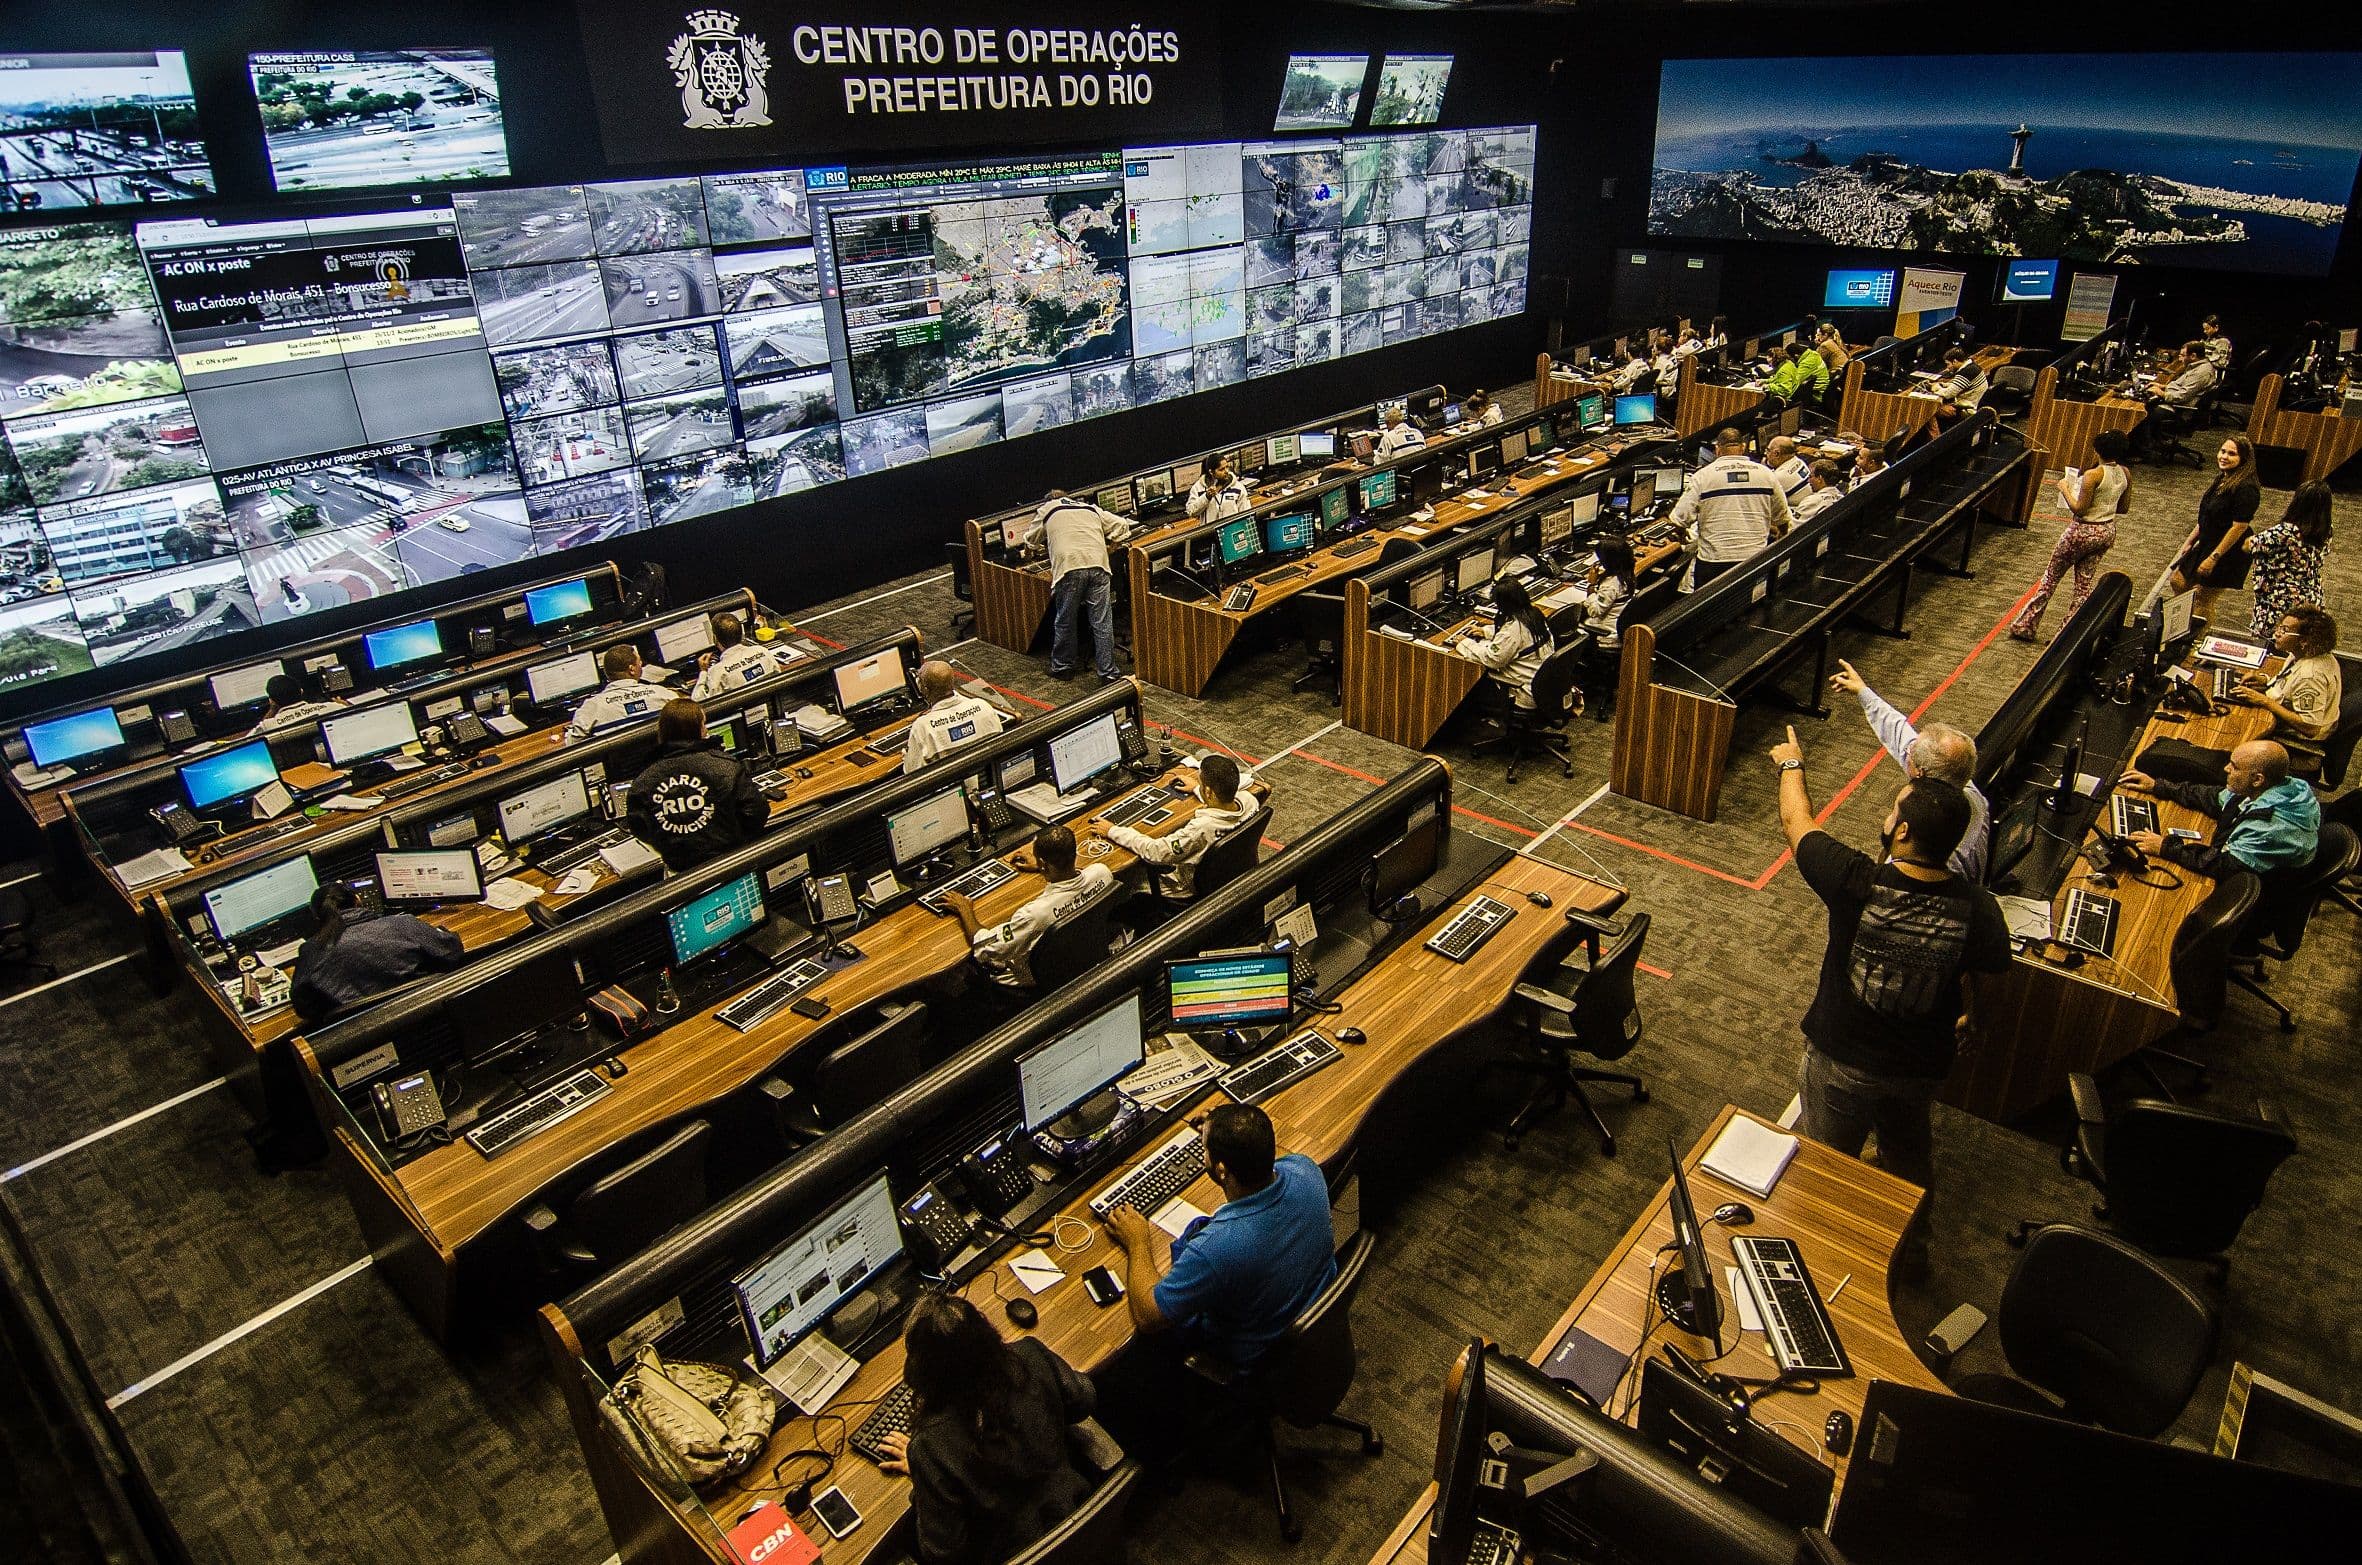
(996, 814)
(180, 823)
(935, 1228)
(465, 730)
(829, 899)
(176, 726)
(996, 1175)
(407, 1106)
(1135, 743)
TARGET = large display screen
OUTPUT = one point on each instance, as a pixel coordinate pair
(1410, 89)
(346, 120)
(89, 130)
(2214, 160)
(1321, 91)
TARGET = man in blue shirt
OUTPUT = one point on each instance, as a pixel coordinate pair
(1239, 1277)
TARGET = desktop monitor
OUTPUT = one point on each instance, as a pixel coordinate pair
(708, 923)
(1426, 483)
(263, 897)
(2029, 282)
(1687, 1294)
(1289, 533)
(403, 645)
(515, 1004)
(1516, 444)
(229, 776)
(550, 683)
(249, 686)
(1743, 1456)
(563, 600)
(1336, 508)
(1155, 488)
(65, 739)
(1316, 445)
(1248, 458)
(1640, 409)
(543, 808)
(683, 639)
(1079, 1064)
(1240, 540)
(873, 678)
(1016, 771)
(1186, 474)
(430, 875)
(1080, 754)
(1591, 409)
(1670, 480)
(1558, 525)
(2176, 614)
(782, 1297)
(1279, 450)
(1403, 865)
(1485, 459)
(1362, 444)
(1117, 498)
(372, 731)
(1451, 413)
(1644, 491)
(1451, 1531)
(1859, 289)
(1586, 508)
(1619, 506)
(1236, 989)
(927, 826)
(1473, 570)
(1424, 591)
(1377, 490)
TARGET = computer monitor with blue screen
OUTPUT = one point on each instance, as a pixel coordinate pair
(1083, 753)
(1289, 533)
(1641, 409)
(782, 1297)
(1336, 508)
(1240, 989)
(64, 740)
(1080, 1063)
(926, 826)
(563, 600)
(263, 897)
(717, 918)
(402, 645)
(372, 731)
(2029, 282)
(1316, 445)
(1377, 490)
(1241, 540)
(1591, 408)
(230, 776)
(1860, 289)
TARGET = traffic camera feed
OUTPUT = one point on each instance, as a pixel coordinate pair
(347, 120)
(94, 130)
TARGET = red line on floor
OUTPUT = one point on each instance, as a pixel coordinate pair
(1380, 782)
(816, 636)
(1656, 971)
(1660, 853)
(1208, 744)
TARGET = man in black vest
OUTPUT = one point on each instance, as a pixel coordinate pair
(692, 802)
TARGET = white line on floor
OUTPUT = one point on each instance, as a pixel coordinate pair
(1534, 847)
(891, 592)
(122, 1124)
(954, 647)
(1318, 733)
(19, 880)
(65, 978)
(235, 1333)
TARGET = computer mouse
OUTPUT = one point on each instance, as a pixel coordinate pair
(1837, 1432)
(803, 771)
(1538, 898)
(1023, 1315)
(482, 761)
(1351, 1035)
(1734, 1214)
(614, 1067)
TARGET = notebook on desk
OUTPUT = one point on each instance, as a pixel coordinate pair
(1749, 1155)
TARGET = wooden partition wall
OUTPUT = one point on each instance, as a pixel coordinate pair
(2328, 440)
(1402, 691)
(1701, 404)
(1011, 602)
(1669, 745)
(2064, 427)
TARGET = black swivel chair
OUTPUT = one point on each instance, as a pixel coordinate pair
(2011, 392)
(2286, 907)
(2201, 966)
(1304, 1377)
(1588, 1010)
(963, 587)
(1320, 626)
(1072, 949)
(2346, 811)
(20, 945)
(1094, 1534)
(1542, 726)
(1232, 855)
(1396, 550)
(853, 1077)
(2113, 1336)
(623, 1211)
(2337, 751)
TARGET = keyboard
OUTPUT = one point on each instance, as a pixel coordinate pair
(1794, 1321)
(2128, 813)
(973, 884)
(1494, 1544)
(2090, 923)
(769, 995)
(1353, 546)
(580, 853)
(531, 1116)
(1278, 1067)
(1135, 808)
(1240, 598)
(1284, 573)
(1155, 1179)
(417, 780)
(1470, 928)
(891, 1418)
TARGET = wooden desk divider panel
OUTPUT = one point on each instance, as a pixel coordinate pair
(1011, 603)
(1401, 691)
(2328, 439)
(1550, 389)
(1701, 405)
(2064, 427)
(1669, 745)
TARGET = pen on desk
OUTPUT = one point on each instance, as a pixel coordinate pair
(1840, 1288)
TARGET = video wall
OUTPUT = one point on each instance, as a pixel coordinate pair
(207, 426)
(2244, 161)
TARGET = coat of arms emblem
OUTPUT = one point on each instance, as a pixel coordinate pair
(720, 72)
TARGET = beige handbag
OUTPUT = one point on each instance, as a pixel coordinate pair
(682, 1419)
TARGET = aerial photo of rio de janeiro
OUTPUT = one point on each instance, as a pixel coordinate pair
(2229, 160)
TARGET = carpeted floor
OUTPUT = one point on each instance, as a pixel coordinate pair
(330, 1415)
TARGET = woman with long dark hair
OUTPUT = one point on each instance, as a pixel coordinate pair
(2214, 557)
(2290, 557)
(2093, 500)
(1519, 644)
(1608, 591)
(987, 1449)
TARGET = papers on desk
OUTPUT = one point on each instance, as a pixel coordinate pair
(629, 857)
(1750, 1155)
(1169, 1074)
(354, 802)
(511, 894)
(1750, 1319)
(1174, 1217)
(810, 1373)
(1565, 597)
(34, 777)
(578, 880)
(505, 724)
(402, 761)
(151, 867)
(1043, 802)
(1038, 1272)
(1397, 632)
(2027, 918)
(280, 955)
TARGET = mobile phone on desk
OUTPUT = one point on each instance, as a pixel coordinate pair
(1103, 1286)
(836, 1513)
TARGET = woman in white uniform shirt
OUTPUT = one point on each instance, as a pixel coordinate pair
(1518, 646)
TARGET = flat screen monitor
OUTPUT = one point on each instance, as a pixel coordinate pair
(782, 1297)
(1484, 459)
(1080, 754)
(1514, 445)
(927, 825)
(1117, 498)
(402, 645)
(1410, 89)
(1279, 450)
(1080, 1063)
(2177, 611)
(1745, 1458)
(683, 639)
(1316, 445)
(1859, 289)
(1451, 413)
(2029, 282)
(342, 119)
(263, 897)
(1591, 409)
(1691, 1300)
(372, 731)
(1154, 489)
(1641, 409)
(558, 601)
(1619, 505)
(1186, 474)
(1403, 865)
(1669, 480)
(550, 683)
(65, 739)
(249, 686)
(1586, 508)
(717, 918)
(229, 776)
(515, 1004)
(1377, 490)
(1018, 770)
(1240, 540)
(873, 678)
(543, 808)
(1423, 591)
(1240, 989)
(430, 875)
(1289, 533)
(1336, 508)
(1248, 458)
(1321, 92)
(1558, 525)
(1473, 569)
(1644, 491)
(1451, 1531)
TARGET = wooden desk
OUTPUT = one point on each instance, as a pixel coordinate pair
(1875, 415)
(1178, 645)
(2064, 427)
(2041, 1021)
(1409, 1005)
(2328, 439)
(1700, 404)
(1847, 1217)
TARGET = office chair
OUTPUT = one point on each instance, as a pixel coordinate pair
(963, 587)
(1232, 855)
(2178, 1181)
(623, 1211)
(2346, 811)
(1884, 342)
(2011, 391)
(2168, 425)
(20, 946)
(2337, 751)
(1396, 550)
(2200, 963)
(1320, 626)
(851, 1078)
(1073, 948)
(1587, 1010)
(2277, 927)
(1304, 1376)
(1094, 1534)
(2106, 1331)
(1543, 725)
